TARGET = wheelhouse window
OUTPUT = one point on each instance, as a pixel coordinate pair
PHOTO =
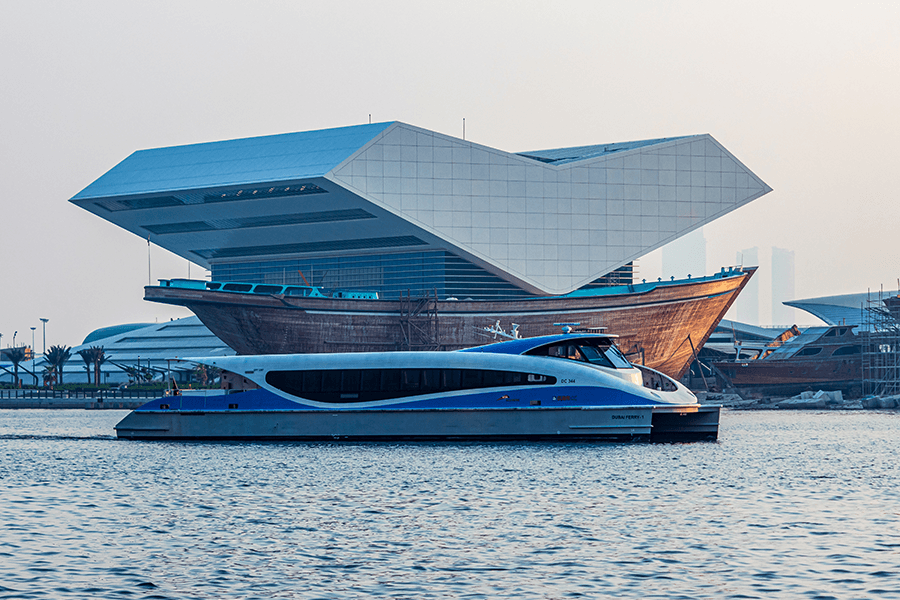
(596, 357)
(600, 352)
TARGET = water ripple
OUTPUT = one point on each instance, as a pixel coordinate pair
(787, 505)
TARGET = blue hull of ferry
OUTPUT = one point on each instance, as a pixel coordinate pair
(259, 415)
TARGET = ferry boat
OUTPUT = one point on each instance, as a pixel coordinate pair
(563, 387)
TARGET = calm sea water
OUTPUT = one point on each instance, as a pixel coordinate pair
(785, 505)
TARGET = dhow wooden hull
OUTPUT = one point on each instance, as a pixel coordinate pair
(661, 326)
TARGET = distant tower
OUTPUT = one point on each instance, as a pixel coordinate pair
(747, 305)
(782, 286)
(685, 256)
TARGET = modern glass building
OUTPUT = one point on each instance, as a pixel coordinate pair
(392, 208)
(152, 346)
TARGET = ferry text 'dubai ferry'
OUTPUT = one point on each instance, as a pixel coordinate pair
(558, 387)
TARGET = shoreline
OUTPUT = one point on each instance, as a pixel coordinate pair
(105, 400)
(820, 400)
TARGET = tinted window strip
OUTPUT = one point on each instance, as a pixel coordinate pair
(328, 246)
(368, 385)
(327, 216)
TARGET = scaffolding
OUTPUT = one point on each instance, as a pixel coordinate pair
(880, 348)
(419, 322)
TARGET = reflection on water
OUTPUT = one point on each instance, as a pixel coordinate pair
(786, 504)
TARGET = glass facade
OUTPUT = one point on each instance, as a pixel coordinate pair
(392, 274)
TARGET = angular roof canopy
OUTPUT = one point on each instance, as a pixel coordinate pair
(548, 221)
(270, 158)
(844, 309)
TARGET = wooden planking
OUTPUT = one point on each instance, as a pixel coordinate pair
(655, 325)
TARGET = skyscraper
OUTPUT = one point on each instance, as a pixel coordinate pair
(685, 256)
(782, 286)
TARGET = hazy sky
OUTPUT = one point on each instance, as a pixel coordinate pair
(806, 94)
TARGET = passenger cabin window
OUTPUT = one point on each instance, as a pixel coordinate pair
(809, 352)
(831, 333)
(846, 350)
(367, 385)
(268, 289)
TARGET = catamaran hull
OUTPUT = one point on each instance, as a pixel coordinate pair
(630, 423)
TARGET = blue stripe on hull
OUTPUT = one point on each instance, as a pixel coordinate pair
(264, 400)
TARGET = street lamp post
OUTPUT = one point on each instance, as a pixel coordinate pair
(33, 357)
(44, 321)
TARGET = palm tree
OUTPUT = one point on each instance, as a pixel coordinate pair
(206, 375)
(93, 357)
(49, 376)
(100, 357)
(87, 355)
(15, 356)
(56, 357)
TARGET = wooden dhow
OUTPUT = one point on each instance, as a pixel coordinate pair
(818, 358)
(659, 324)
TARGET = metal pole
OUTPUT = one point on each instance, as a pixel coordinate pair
(44, 321)
(33, 357)
(699, 365)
